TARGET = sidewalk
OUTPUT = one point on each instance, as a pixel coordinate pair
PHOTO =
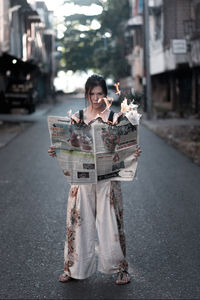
(12, 125)
(184, 134)
(20, 117)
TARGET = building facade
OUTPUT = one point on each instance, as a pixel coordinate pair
(174, 44)
(26, 47)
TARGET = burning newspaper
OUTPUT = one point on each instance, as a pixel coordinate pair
(99, 151)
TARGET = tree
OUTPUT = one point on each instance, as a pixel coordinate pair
(113, 19)
(101, 49)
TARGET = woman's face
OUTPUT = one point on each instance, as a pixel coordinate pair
(94, 95)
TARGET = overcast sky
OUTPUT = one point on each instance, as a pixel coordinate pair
(70, 8)
(68, 81)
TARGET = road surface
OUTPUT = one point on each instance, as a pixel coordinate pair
(161, 210)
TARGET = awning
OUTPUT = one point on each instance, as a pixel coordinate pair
(14, 64)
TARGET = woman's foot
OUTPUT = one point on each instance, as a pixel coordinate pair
(64, 278)
(123, 278)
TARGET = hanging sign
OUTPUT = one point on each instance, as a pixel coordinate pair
(179, 46)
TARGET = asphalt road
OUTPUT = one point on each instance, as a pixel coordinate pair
(161, 210)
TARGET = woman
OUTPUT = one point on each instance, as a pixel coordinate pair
(95, 207)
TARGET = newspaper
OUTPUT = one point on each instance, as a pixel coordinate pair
(96, 152)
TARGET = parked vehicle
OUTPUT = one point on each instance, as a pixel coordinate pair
(21, 93)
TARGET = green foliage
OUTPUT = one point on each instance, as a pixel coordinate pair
(84, 2)
(81, 19)
(114, 15)
(86, 48)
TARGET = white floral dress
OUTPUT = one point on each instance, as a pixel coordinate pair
(95, 226)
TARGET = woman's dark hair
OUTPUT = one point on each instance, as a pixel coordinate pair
(93, 81)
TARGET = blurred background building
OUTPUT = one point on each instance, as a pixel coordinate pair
(174, 45)
(28, 59)
(27, 48)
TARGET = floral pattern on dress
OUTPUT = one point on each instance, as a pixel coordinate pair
(123, 266)
(116, 203)
(73, 221)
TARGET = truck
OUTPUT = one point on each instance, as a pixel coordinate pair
(21, 94)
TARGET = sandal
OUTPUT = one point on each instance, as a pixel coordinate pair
(64, 278)
(123, 278)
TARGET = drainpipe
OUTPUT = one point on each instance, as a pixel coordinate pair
(147, 81)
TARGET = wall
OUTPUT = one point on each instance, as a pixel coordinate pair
(4, 26)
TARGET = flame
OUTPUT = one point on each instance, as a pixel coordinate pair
(108, 101)
(130, 111)
(118, 92)
(124, 106)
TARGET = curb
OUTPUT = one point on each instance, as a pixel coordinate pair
(173, 133)
(10, 129)
(40, 111)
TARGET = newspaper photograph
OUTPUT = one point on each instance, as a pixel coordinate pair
(114, 149)
(73, 144)
(96, 152)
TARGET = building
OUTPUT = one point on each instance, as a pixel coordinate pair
(46, 61)
(174, 43)
(26, 52)
(135, 57)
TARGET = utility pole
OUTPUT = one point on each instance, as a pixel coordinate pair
(147, 75)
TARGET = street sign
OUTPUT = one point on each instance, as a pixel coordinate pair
(179, 46)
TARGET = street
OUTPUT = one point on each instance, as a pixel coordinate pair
(161, 215)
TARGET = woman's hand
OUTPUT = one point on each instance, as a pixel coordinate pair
(51, 151)
(137, 152)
